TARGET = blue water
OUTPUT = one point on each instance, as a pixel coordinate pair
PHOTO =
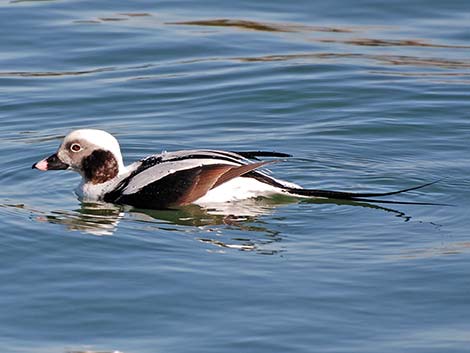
(366, 96)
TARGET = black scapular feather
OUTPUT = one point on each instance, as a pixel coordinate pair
(256, 154)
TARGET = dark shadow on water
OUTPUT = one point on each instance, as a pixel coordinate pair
(136, 14)
(372, 42)
(384, 59)
(397, 213)
(260, 26)
(337, 48)
(389, 62)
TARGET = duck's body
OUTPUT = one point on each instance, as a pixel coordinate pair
(172, 178)
(183, 177)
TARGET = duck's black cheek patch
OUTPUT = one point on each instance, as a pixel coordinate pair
(100, 166)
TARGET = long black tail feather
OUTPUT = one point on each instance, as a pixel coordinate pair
(362, 197)
(256, 154)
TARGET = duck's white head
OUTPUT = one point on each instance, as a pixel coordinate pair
(95, 154)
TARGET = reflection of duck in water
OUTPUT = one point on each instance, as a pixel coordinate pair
(237, 226)
(91, 218)
(99, 218)
(103, 219)
(169, 179)
(219, 231)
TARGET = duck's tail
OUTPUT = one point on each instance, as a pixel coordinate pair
(362, 197)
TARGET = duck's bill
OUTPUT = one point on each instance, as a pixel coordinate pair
(51, 163)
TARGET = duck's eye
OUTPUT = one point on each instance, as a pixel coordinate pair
(75, 147)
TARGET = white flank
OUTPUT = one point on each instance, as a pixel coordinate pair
(238, 189)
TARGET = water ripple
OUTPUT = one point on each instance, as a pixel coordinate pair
(261, 26)
(369, 42)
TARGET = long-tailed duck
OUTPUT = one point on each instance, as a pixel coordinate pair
(176, 178)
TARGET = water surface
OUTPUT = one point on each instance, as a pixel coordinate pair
(366, 96)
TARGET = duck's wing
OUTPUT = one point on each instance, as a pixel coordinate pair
(179, 178)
